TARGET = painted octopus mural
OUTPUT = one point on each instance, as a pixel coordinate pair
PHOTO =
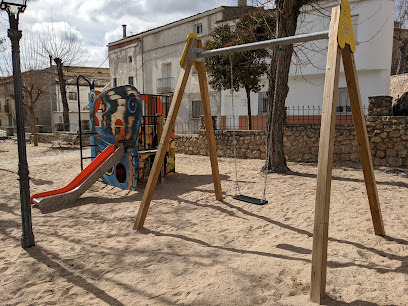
(116, 116)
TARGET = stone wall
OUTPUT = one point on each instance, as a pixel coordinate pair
(379, 106)
(250, 144)
(50, 137)
(388, 140)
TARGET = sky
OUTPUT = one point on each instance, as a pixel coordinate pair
(99, 22)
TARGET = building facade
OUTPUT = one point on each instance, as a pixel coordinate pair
(373, 25)
(151, 61)
(48, 109)
(101, 79)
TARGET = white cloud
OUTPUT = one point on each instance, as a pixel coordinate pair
(98, 22)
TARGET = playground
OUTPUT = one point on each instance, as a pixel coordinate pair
(194, 249)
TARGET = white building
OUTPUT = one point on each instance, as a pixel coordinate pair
(151, 60)
(373, 25)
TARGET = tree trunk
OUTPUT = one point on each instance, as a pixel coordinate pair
(63, 90)
(248, 94)
(287, 14)
(402, 64)
(33, 129)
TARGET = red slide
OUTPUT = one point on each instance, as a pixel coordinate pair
(102, 163)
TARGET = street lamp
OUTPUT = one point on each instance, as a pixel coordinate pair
(14, 8)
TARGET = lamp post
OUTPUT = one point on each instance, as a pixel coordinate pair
(13, 9)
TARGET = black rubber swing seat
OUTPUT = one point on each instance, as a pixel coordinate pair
(244, 198)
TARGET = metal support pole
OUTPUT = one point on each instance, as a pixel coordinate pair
(91, 86)
(50, 91)
(199, 54)
(27, 238)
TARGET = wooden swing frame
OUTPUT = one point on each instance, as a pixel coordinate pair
(341, 44)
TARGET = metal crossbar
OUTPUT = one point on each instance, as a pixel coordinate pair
(200, 54)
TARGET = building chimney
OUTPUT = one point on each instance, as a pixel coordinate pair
(124, 30)
(242, 2)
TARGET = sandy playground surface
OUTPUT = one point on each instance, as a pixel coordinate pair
(195, 250)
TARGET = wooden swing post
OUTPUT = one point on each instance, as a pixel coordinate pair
(186, 63)
(209, 129)
(341, 43)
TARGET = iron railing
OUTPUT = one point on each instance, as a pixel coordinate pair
(156, 104)
(165, 85)
(190, 127)
(294, 115)
(148, 136)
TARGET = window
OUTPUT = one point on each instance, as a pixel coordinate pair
(262, 103)
(197, 109)
(130, 59)
(115, 82)
(131, 80)
(199, 29)
(343, 103)
(11, 122)
(166, 70)
(6, 107)
(72, 95)
(0, 122)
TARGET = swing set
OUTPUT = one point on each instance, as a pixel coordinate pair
(238, 196)
(341, 45)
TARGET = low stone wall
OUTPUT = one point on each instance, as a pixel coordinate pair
(50, 137)
(388, 140)
(46, 137)
(250, 144)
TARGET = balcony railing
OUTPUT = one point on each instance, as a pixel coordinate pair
(165, 85)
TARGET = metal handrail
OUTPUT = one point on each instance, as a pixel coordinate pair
(91, 86)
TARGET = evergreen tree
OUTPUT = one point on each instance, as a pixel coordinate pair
(248, 66)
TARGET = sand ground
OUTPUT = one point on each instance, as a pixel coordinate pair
(195, 250)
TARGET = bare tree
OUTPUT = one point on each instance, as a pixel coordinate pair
(287, 13)
(2, 40)
(401, 13)
(34, 83)
(401, 34)
(287, 16)
(64, 47)
(34, 78)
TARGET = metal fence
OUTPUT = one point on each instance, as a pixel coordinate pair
(165, 85)
(294, 115)
(186, 127)
(313, 114)
(155, 104)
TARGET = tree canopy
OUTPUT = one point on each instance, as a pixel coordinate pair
(247, 66)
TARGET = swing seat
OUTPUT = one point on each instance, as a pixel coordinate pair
(244, 198)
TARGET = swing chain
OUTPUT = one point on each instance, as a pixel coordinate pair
(237, 190)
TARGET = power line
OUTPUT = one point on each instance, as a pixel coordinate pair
(98, 67)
